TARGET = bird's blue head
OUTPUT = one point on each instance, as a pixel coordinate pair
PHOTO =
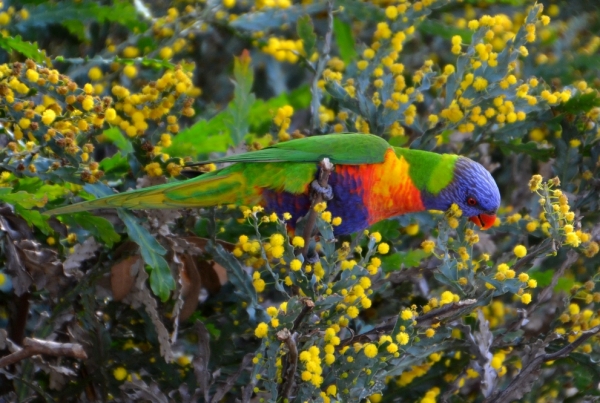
(473, 189)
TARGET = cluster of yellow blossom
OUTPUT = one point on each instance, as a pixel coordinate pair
(431, 395)
(416, 371)
(283, 119)
(580, 319)
(495, 313)
(382, 247)
(556, 217)
(497, 362)
(262, 329)
(495, 32)
(284, 50)
(11, 14)
(380, 59)
(504, 272)
(452, 215)
(153, 103)
(68, 111)
(260, 4)
(312, 366)
(447, 297)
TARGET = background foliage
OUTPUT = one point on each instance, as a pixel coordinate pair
(218, 304)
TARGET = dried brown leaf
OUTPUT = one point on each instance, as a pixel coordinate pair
(191, 285)
(122, 276)
(211, 280)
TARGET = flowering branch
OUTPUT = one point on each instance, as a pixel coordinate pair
(524, 380)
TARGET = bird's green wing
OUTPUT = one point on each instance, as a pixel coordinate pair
(349, 149)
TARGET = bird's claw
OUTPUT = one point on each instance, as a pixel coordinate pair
(325, 191)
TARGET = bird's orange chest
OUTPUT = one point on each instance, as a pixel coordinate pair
(386, 188)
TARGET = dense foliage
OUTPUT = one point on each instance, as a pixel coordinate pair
(211, 304)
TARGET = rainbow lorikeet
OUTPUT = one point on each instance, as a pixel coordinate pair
(371, 181)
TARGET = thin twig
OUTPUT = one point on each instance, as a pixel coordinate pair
(33, 347)
(326, 169)
(308, 306)
(321, 64)
(292, 362)
(566, 350)
(230, 382)
(426, 320)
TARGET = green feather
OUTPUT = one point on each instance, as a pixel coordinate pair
(429, 171)
(348, 148)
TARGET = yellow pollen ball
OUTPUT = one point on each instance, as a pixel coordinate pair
(520, 251)
(370, 350)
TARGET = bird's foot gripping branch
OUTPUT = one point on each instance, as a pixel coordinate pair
(320, 191)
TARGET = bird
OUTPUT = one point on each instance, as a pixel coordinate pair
(371, 181)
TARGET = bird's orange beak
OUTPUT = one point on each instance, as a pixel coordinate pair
(485, 221)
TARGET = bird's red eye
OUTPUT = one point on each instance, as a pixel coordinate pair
(471, 201)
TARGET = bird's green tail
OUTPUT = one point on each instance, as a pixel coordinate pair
(218, 188)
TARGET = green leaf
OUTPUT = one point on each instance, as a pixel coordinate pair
(344, 39)
(24, 199)
(161, 279)
(564, 284)
(99, 227)
(202, 138)
(408, 259)
(543, 278)
(581, 103)
(243, 98)
(389, 229)
(115, 164)
(34, 217)
(262, 112)
(114, 135)
(27, 49)
(40, 189)
(306, 32)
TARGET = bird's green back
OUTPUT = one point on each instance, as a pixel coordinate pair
(348, 148)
